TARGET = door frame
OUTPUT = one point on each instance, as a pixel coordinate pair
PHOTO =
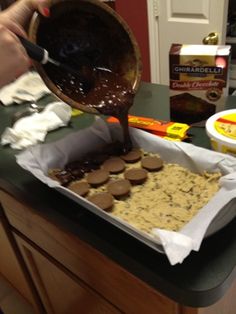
(153, 27)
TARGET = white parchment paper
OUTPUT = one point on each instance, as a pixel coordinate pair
(219, 211)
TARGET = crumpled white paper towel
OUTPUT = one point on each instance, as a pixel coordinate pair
(32, 129)
(27, 87)
(176, 245)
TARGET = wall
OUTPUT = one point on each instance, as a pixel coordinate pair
(135, 14)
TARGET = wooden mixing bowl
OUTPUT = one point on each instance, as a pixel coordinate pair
(89, 28)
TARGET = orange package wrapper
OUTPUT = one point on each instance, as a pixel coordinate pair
(165, 129)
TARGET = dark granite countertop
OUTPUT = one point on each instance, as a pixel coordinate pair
(204, 276)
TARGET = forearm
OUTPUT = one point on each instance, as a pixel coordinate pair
(14, 21)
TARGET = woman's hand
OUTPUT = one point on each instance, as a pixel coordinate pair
(14, 59)
(16, 18)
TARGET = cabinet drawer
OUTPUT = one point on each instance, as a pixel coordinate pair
(121, 288)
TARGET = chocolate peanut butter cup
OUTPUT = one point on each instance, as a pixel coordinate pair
(136, 175)
(132, 156)
(97, 177)
(114, 165)
(103, 200)
(79, 187)
(119, 188)
(152, 163)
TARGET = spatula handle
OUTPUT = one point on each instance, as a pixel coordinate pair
(34, 51)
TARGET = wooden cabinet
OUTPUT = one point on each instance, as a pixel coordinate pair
(71, 277)
(61, 292)
(82, 262)
(9, 264)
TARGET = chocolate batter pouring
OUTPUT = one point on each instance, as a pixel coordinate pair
(80, 38)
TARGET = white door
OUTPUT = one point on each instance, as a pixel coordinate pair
(181, 22)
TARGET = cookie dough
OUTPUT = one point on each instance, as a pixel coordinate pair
(168, 199)
(167, 195)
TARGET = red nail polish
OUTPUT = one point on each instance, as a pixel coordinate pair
(46, 12)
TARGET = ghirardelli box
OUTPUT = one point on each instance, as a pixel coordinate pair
(198, 81)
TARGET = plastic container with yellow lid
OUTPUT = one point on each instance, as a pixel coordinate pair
(221, 128)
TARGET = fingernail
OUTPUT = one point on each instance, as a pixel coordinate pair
(46, 12)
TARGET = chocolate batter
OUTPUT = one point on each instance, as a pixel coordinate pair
(80, 38)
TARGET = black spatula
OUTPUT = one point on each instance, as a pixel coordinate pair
(41, 55)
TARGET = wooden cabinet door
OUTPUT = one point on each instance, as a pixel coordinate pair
(10, 268)
(60, 291)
